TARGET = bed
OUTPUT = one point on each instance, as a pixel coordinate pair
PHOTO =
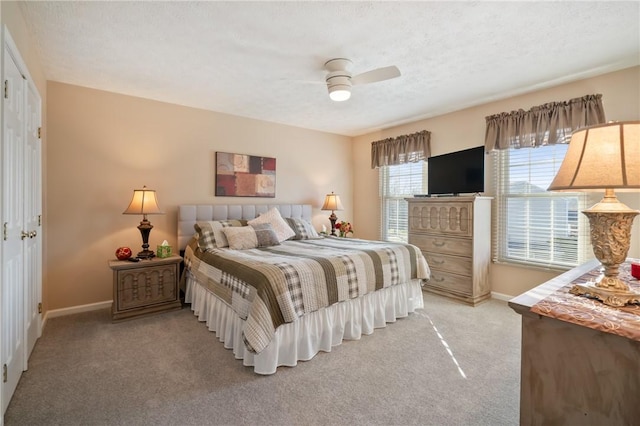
(277, 304)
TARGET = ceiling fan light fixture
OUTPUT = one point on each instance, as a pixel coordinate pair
(339, 92)
(339, 85)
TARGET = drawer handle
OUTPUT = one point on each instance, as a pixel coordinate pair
(437, 262)
(438, 244)
(438, 279)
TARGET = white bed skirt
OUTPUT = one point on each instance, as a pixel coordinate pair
(315, 332)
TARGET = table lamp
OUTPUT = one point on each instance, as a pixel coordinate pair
(605, 157)
(332, 202)
(144, 202)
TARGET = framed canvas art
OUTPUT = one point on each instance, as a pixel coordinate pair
(241, 175)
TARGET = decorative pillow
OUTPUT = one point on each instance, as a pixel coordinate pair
(282, 230)
(302, 229)
(248, 237)
(210, 233)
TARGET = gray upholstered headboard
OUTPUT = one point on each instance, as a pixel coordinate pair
(189, 214)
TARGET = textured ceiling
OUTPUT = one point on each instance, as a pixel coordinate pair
(265, 59)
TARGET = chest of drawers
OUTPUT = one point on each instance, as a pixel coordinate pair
(454, 234)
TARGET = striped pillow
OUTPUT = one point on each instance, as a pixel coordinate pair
(210, 235)
(248, 237)
(303, 229)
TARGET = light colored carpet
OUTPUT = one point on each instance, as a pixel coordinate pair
(447, 364)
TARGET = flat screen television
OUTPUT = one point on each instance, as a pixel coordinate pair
(460, 172)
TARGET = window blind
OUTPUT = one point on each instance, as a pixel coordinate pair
(397, 183)
(534, 226)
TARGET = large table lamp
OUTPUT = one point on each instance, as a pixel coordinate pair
(144, 202)
(332, 202)
(605, 157)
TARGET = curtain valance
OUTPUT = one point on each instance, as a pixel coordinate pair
(541, 125)
(402, 149)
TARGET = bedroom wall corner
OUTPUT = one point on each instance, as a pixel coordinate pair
(102, 145)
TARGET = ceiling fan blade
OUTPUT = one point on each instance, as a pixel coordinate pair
(378, 74)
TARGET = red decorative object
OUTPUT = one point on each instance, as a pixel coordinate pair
(123, 253)
(635, 270)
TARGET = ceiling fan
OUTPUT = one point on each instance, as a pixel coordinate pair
(339, 79)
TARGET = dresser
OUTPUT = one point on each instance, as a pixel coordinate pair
(145, 287)
(454, 234)
(574, 374)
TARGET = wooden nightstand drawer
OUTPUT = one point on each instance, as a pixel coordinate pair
(148, 286)
(145, 287)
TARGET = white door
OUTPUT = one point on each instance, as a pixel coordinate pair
(13, 318)
(32, 221)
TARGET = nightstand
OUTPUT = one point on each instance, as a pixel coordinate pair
(145, 287)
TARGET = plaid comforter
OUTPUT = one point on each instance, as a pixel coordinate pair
(270, 286)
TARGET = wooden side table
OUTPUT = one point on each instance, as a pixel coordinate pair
(572, 374)
(145, 287)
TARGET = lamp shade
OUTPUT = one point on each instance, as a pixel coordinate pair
(601, 157)
(144, 202)
(332, 202)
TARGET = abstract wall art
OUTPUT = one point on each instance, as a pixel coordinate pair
(241, 175)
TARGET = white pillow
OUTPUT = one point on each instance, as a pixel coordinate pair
(280, 227)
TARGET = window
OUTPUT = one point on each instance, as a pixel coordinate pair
(533, 226)
(397, 183)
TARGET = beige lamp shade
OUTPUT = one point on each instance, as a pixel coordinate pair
(601, 157)
(144, 202)
(332, 202)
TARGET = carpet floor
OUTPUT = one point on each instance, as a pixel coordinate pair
(446, 364)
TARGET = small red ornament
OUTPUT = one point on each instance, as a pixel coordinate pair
(123, 253)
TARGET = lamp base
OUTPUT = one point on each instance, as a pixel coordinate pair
(616, 298)
(610, 224)
(145, 228)
(146, 254)
(333, 218)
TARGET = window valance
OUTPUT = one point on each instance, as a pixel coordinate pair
(541, 125)
(402, 149)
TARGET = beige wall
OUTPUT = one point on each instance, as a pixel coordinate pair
(465, 129)
(103, 145)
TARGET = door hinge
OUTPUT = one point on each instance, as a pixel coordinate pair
(39, 220)
(5, 232)
(4, 373)
(6, 89)
(39, 132)
(40, 307)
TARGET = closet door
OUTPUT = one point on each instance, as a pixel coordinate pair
(13, 317)
(32, 221)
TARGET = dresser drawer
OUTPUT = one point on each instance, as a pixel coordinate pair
(453, 218)
(456, 264)
(442, 245)
(450, 283)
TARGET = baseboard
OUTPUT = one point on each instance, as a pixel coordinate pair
(75, 310)
(501, 296)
